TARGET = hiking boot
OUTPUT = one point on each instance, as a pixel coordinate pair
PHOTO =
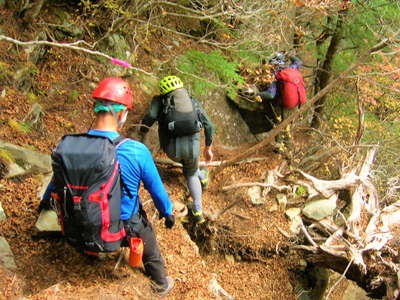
(162, 291)
(185, 219)
(198, 217)
(204, 182)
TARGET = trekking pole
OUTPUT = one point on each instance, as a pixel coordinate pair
(120, 257)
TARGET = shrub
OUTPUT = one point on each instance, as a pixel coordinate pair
(205, 71)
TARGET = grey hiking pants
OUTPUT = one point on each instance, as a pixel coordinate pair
(186, 150)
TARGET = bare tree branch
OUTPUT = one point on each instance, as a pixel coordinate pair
(74, 46)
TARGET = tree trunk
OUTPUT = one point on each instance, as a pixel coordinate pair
(323, 73)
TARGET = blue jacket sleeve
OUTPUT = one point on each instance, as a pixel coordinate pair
(152, 182)
(49, 190)
(137, 166)
(270, 92)
(45, 201)
(296, 62)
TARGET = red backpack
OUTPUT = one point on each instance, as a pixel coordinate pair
(292, 89)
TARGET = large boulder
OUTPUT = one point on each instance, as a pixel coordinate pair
(232, 130)
(6, 255)
(320, 209)
(2, 213)
(64, 25)
(36, 53)
(27, 160)
(116, 46)
(47, 222)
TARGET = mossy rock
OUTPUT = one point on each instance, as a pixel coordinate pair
(24, 77)
(6, 74)
(19, 126)
(246, 104)
(149, 85)
(37, 52)
(65, 26)
(117, 46)
(5, 160)
(6, 156)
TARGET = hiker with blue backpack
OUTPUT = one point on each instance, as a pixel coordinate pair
(180, 118)
(96, 179)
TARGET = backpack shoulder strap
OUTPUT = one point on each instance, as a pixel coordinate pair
(196, 108)
(118, 141)
(168, 103)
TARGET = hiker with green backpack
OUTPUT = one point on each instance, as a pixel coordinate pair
(180, 118)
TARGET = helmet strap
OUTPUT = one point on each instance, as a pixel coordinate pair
(115, 115)
(123, 119)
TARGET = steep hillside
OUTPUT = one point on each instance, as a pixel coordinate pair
(245, 249)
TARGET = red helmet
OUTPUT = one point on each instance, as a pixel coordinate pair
(115, 90)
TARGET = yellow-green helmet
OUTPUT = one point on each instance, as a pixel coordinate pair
(169, 83)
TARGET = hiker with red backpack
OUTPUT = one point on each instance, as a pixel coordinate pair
(96, 179)
(287, 91)
(180, 118)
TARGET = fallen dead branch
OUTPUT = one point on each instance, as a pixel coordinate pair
(215, 216)
(353, 246)
(249, 184)
(171, 163)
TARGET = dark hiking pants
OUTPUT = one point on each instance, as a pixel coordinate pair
(139, 226)
(186, 150)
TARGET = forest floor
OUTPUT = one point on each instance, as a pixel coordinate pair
(50, 269)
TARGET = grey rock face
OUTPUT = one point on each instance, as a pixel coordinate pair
(6, 255)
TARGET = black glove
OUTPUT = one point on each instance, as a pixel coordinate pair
(44, 205)
(169, 221)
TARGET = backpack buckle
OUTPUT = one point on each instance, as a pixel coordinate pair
(77, 202)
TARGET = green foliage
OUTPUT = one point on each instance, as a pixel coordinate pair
(32, 98)
(6, 75)
(6, 156)
(74, 94)
(206, 71)
(19, 126)
(33, 70)
(381, 126)
(95, 8)
(301, 191)
(367, 23)
(247, 55)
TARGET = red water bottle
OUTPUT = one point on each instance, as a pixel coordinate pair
(136, 254)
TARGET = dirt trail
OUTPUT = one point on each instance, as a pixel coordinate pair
(52, 263)
(50, 269)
